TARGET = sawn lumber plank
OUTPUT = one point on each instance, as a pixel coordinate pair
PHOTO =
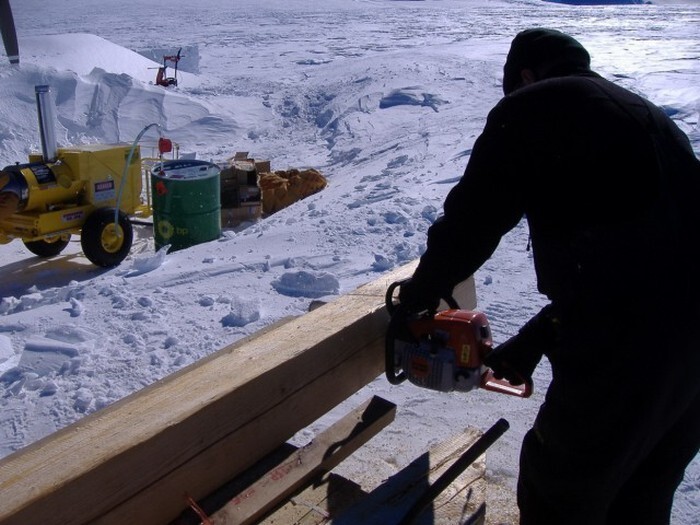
(325, 452)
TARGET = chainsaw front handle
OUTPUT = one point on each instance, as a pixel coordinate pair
(399, 318)
(503, 386)
(396, 322)
(391, 306)
(389, 297)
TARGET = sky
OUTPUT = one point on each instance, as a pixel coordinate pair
(385, 98)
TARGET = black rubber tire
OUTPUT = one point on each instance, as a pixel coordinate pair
(102, 243)
(48, 247)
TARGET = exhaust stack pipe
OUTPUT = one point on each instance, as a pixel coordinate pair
(47, 123)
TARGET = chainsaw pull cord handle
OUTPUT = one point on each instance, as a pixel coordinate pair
(398, 322)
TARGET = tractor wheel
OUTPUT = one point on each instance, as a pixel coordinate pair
(48, 246)
(104, 242)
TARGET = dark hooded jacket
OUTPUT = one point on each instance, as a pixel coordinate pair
(609, 186)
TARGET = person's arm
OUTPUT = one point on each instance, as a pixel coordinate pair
(484, 205)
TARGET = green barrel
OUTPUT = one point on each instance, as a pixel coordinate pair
(186, 197)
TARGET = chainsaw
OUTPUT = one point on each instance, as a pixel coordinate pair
(442, 351)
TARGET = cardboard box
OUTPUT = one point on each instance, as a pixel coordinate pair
(230, 197)
(262, 166)
(233, 195)
(249, 194)
(243, 170)
(241, 197)
(240, 174)
(232, 217)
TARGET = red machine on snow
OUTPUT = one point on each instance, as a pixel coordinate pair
(162, 78)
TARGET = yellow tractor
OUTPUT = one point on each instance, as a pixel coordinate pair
(89, 190)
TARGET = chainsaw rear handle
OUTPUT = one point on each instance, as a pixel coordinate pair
(503, 386)
(397, 323)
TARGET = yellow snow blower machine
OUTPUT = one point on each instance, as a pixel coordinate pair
(89, 190)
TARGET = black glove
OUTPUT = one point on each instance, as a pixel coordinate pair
(416, 296)
(516, 359)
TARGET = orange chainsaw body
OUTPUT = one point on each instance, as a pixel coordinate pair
(463, 332)
(446, 351)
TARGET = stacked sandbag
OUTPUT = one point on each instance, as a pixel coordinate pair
(282, 188)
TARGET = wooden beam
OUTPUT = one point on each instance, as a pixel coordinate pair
(324, 453)
(331, 495)
(134, 461)
(339, 501)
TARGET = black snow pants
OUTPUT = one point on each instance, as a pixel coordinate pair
(620, 421)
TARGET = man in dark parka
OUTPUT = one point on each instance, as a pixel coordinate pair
(610, 188)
